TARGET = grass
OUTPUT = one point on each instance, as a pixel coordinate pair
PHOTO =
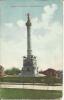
(45, 79)
(29, 94)
(22, 79)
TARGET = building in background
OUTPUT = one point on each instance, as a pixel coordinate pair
(53, 73)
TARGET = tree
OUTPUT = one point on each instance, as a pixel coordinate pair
(12, 71)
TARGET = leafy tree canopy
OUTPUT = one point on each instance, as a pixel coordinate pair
(12, 71)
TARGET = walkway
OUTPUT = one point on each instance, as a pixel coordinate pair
(36, 87)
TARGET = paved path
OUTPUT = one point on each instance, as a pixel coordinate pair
(36, 87)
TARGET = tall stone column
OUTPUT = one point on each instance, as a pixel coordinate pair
(28, 24)
(29, 63)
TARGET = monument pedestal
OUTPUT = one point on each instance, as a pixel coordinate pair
(29, 66)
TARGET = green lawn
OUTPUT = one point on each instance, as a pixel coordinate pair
(46, 79)
(29, 94)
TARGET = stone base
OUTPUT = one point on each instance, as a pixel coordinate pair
(29, 66)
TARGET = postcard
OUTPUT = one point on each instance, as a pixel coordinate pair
(31, 49)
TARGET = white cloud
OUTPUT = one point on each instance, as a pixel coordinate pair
(48, 14)
(50, 9)
(21, 23)
(46, 17)
(9, 25)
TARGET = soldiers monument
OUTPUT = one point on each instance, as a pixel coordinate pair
(29, 68)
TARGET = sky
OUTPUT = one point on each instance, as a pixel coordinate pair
(46, 32)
